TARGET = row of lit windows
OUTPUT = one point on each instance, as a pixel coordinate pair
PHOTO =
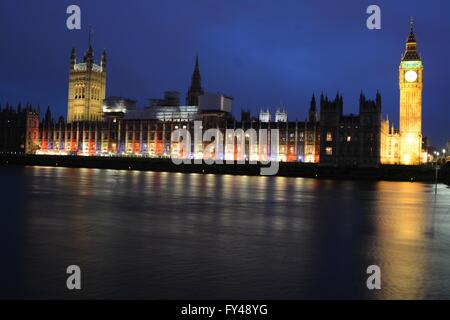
(80, 117)
(329, 138)
(80, 92)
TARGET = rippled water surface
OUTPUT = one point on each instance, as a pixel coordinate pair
(183, 236)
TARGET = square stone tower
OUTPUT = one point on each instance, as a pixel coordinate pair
(411, 84)
(87, 88)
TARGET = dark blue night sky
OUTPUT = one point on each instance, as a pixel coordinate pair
(263, 53)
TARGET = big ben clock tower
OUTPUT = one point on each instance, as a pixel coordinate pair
(411, 83)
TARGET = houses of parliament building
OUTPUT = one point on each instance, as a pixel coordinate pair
(114, 126)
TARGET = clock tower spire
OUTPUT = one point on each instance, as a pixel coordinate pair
(411, 84)
(411, 53)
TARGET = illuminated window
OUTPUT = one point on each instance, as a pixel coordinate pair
(349, 138)
(329, 151)
(329, 136)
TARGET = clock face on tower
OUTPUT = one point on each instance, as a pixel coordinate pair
(411, 76)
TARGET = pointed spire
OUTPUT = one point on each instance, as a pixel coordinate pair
(48, 119)
(313, 105)
(196, 78)
(313, 110)
(411, 53)
(362, 98)
(195, 90)
(89, 56)
(378, 99)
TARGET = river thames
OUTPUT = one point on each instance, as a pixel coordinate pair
(146, 235)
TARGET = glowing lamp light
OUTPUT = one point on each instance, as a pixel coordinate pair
(406, 159)
(410, 140)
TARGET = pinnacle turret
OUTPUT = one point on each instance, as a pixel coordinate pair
(195, 90)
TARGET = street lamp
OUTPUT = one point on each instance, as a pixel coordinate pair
(436, 175)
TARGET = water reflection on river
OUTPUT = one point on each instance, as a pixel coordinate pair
(168, 235)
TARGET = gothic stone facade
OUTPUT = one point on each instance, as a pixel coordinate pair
(350, 139)
(87, 88)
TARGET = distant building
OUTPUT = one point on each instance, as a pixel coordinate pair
(215, 102)
(246, 115)
(350, 139)
(281, 115)
(19, 130)
(166, 109)
(264, 116)
(118, 105)
(171, 99)
(165, 113)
